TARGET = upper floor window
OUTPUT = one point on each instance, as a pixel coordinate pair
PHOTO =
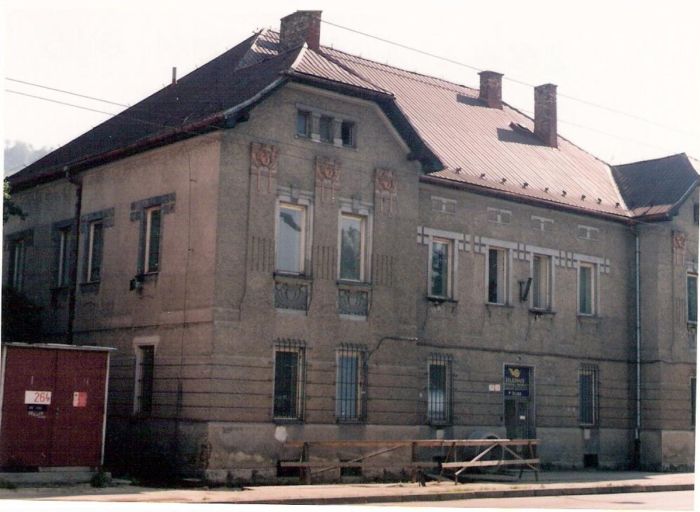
(347, 133)
(541, 282)
(291, 238)
(151, 245)
(692, 298)
(94, 251)
(587, 289)
(63, 263)
(441, 256)
(303, 123)
(18, 249)
(325, 129)
(352, 247)
(497, 276)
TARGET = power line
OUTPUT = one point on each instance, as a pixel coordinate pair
(60, 102)
(65, 92)
(507, 78)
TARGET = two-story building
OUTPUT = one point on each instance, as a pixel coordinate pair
(295, 243)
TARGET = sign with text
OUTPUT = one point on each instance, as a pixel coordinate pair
(37, 397)
(516, 381)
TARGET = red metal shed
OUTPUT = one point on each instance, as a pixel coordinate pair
(53, 405)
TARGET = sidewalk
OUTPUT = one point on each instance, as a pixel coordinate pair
(552, 483)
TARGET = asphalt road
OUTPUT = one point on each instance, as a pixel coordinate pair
(680, 500)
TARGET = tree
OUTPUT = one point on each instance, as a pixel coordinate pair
(9, 208)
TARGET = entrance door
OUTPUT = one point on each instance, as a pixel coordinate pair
(519, 402)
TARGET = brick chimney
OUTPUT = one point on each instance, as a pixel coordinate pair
(299, 28)
(490, 89)
(546, 114)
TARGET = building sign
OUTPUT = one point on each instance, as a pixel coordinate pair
(516, 381)
(37, 397)
(80, 399)
(37, 410)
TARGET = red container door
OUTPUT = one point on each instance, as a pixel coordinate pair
(63, 429)
(25, 440)
(79, 412)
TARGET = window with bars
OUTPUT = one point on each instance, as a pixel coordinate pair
(692, 298)
(440, 389)
(350, 383)
(588, 395)
(289, 380)
(143, 389)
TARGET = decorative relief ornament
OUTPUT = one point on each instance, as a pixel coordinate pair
(679, 240)
(264, 159)
(385, 191)
(327, 177)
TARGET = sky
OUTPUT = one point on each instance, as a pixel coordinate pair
(628, 72)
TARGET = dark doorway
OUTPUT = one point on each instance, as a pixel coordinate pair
(519, 402)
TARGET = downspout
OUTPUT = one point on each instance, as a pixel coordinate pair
(638, 339)
(74, 256)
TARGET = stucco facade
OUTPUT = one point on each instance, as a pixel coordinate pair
(218, 310)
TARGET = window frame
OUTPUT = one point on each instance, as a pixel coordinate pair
(18, 259)
(304, 242)
(330, 121)
(63, 262)
(139, 393)
(692, 319)
(91, 255)
(433, 416)
(504, 273)
(450, 243)
(549, 286)
(358, 382)
(593, 287)
(364, 245)
(592, 404)
(352, 142)
(296, 415)
(147, 237)
(308, 120)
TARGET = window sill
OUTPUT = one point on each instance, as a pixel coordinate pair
(283, 277)
(587, 318)
(287, 421)
(541, 312)
(354, 285)
(498, 306)
(441, 300)
(90, 287)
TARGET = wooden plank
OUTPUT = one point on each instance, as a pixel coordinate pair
(486, 463)
(363, 465)
(361, 458)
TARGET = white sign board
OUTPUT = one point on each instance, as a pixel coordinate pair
(37, 397)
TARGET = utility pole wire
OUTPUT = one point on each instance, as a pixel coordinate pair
(507, 78)
(60, 102)
(65, 92)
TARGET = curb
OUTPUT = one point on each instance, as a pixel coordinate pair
(449, 496)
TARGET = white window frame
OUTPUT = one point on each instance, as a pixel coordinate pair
(90, 251)
(63, 254)
(593, 287)
(305, 243)
(360, 383)
(549, 292)
(364, 244)
(148, 219)
(300, 384)
(690, 275)
(506, 275)
(19, 254)
(450, 266)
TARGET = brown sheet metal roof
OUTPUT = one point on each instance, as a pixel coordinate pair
(472, 145)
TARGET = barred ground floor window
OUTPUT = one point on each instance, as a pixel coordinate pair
(289, 380)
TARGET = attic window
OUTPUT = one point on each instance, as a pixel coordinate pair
(326, 129)
(325, 126)
(347, 133)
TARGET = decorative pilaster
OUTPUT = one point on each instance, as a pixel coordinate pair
(327, 178)
(679, 242)
(263, 166)
(385, 195)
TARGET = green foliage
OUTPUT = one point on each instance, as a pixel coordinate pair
(9, 208)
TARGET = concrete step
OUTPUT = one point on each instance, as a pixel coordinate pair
(62, 477)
